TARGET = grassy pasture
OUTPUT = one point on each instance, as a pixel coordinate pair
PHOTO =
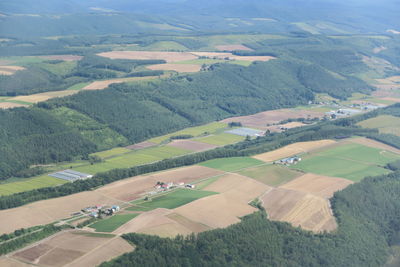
(385, 123)
(221, 139)
(194, 131)
(29, 184)
(350, 161)
(273, 175)
(172, 200)
(110, 224)
(232, 164)
(133, 158)
(111, 152)
(78, 86)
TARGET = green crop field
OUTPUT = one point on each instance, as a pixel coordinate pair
(194, 131)
(29, 184)
(221, 139)
(111, 152)
(134, 158)
(273, 175)
(110, 224)
(350, 161)
(232, 164)
(385, 124)
(172, 200)
(205, 183)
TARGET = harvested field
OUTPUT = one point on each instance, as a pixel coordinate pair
(262, 119)
(300, 209)
(35, 98)
(372, 143)
(176, 67)
(47, 211)
(318, 185)
(231, 164)
(10, 70)
(99, 85)
(291, 125)
(141, 145)
(74, 247)
(191, 145)
(9, 262)
(136, 187)
(233, 47)
(272, 175)
(62, 57)
(5, 105)
(167, 56)
(293, 149)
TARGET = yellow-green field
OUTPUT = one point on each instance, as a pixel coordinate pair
(385, 123)
(29, 184)
(194, 131)
(221, 139)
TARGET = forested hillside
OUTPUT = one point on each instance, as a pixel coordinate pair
(368, 217)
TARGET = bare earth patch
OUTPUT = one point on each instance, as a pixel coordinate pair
(318, 185)
(262, 119)
(233, 47)
(293, 149)
(99, 85)
(167, 56)
(191, 145)
(10, 70)
(62, 57)
(35, 98)
(5, 105)
(176, 67)
(141, 145)
(300, 209)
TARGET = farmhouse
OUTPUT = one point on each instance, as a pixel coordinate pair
(288, 161)
(70, 175)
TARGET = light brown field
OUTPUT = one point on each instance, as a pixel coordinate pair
(318, 185)
(7, 262)
(191, 145)
(221, 55)
(5, 105)
(176, 67)
(35, 98)
(10, 70)
(372, 143)
(73, 247)
(141, 145)
(142, 55)
(300, 209)
(132, 188)
(99, 85)
(293, 149)
(262, 119)
(233, 47)
(62, 57)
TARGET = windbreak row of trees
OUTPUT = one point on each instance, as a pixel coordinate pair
(368, 215)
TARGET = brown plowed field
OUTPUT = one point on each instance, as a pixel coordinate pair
(233, 47)
(300, 209)
(10, 70)
(75, 247)
(186, 174)
(372, 143)
(293, 149)
(176, 67)
(318, 185)
(141, 145)
(191, 145)
(262, 119)
(44, 96)
(167, 56)
(5, 105)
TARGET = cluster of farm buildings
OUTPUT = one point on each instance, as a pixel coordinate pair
(95, 211)
(288, 161)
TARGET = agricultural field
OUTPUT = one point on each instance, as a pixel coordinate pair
(233, 47)
(75, 248)
(142, 55)
(99, 85)
(110, 224)
(29, 184)
(221, 139)
(193, 131)
(385, 123)
(351, 161)
(133, 158)
(111, 152)
(191, 145)
(231, 164)
(272, 175)
(184, 68)
(173, 200)
(293, 149)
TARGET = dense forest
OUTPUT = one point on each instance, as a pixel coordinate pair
(368, 214)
